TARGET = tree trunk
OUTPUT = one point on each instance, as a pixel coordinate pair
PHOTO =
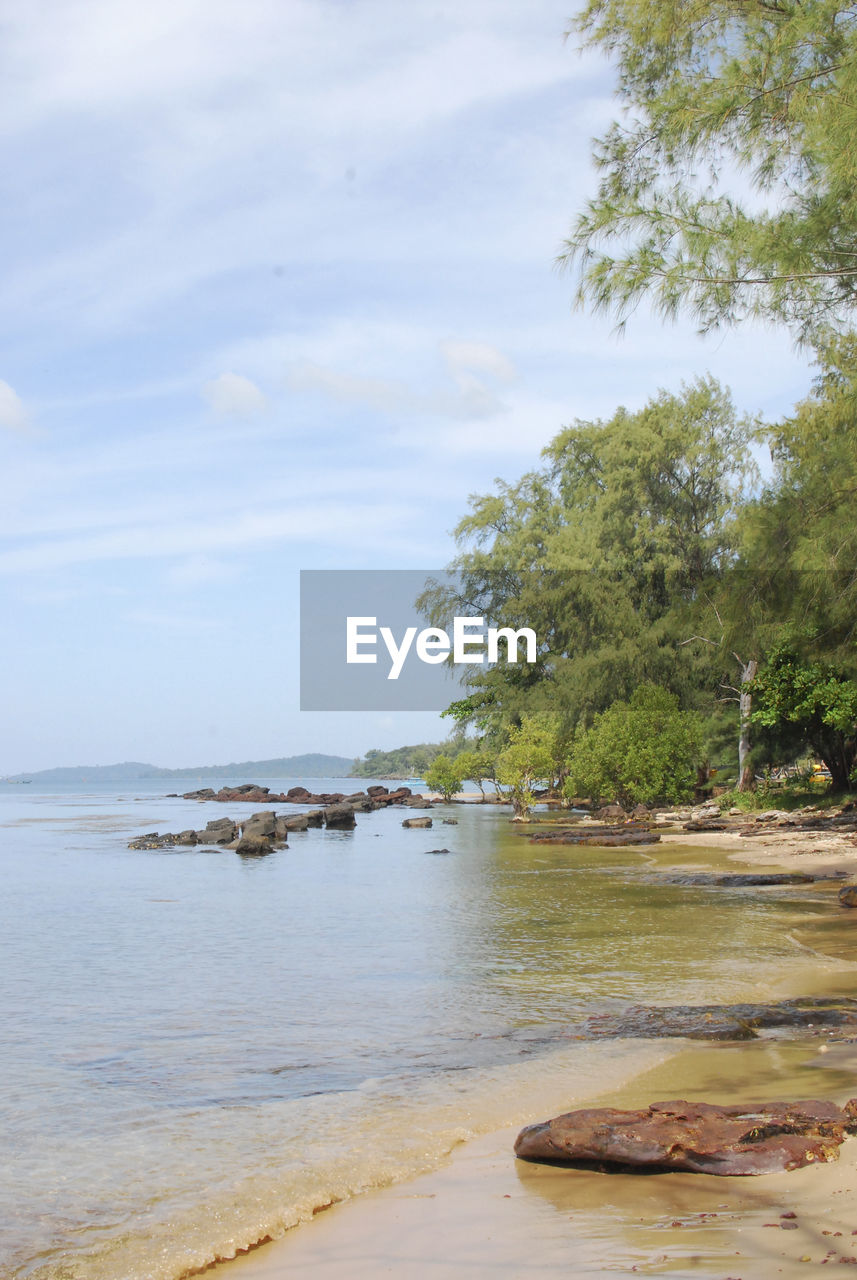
(746, 773)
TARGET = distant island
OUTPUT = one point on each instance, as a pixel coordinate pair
(312, 765)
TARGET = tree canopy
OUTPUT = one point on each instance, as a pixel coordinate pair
(729, 182)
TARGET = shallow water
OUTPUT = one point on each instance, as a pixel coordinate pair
(200, 1049)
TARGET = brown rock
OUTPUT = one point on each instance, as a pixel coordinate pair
(848, 895)
(417, 822)
(340, 817)
(697, 1137)
(254, 845)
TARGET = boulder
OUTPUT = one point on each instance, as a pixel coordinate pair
(450, 822)
(697, 1137)
(259, 824)
(848, 895)
(218, 831)
(187, 838)
(611, 813)
(377, 791)
(340, 817)
(206, 793)
(296, 822)
(314, 817)
(417, 822)
(254, 845)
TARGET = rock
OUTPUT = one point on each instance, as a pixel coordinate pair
(205, 794)
(695, 1136)
(610, 811)
(417, 802)
(606, 836)
(259, 824)
(417, 822)
(705, 824)
(450, 822)
(848, 895)
(640, 811)
(297, 822)
(218, 831)
(314, 817)
(703, 811)
(151, 840)
(741, 879)
(254, 845)
(377, 791)
(340, 817)
(835, 1015)
(437, 851)
(187, 838)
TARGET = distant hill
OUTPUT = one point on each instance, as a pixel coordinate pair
(312, 765)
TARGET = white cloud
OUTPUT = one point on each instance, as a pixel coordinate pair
(464, 357)
(12, 412)
(470, 399)
(234, 396)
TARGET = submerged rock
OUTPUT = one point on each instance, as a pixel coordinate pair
(721, 1022)
(698, 1137)
(417, 822)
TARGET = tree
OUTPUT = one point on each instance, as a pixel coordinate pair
(529, 757)
(475, 766)
(638, 752)
(815, 701)
(601, 551)
(728, 183)
(444, 776)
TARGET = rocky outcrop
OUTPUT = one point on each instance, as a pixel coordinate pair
(606, 836)
(809, 1015)
(698, 1137)
(374, 797)
(259, 834)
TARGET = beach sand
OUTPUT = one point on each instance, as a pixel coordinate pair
(485, 1214)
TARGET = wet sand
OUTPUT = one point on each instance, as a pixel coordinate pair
(485, 1214)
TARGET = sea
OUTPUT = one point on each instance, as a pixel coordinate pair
(201, 1050)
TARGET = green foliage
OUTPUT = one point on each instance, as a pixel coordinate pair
(816, 702)
(444, 776)
(530, 756)
(602, 552)
(475, 766)
(400, 762)
(642, 751)
(716, 96)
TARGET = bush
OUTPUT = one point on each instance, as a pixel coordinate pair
(444, 776)
(640, 752)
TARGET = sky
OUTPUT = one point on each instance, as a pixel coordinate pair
(279, 293)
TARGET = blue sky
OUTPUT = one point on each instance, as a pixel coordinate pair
(279, 293)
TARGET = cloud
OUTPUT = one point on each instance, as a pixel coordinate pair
(464, 357)
(471, 399)
(234, 396)
(12, 412)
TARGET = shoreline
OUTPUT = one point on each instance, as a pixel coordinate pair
(482, 1211)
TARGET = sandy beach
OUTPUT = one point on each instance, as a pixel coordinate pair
(484, 1213)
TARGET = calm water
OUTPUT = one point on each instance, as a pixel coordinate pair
(201, 1049)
